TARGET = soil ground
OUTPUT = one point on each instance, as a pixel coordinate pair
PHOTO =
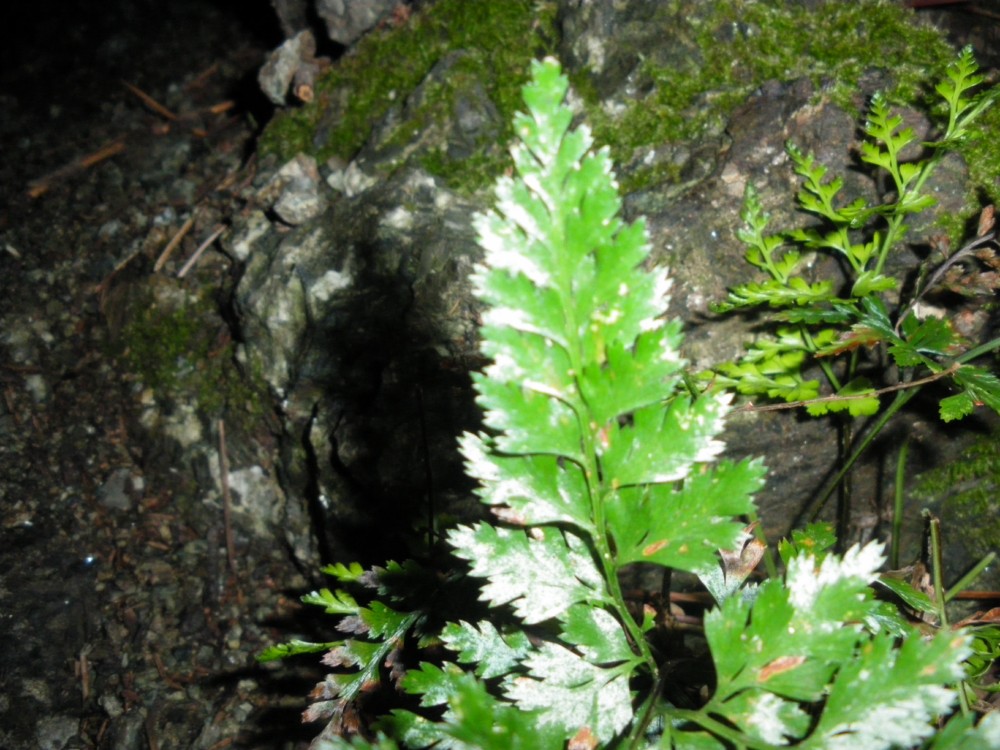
(121, 627)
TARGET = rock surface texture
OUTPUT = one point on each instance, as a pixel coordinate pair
(360, 312)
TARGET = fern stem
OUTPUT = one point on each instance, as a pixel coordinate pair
(758, 532)
(897, 510)
(736, 737)
(966, 580)
(891, 235)
(940, 597)
(831, 377)
(597, 491)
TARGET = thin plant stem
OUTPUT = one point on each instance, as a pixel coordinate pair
(738, 739)
(939, 593)
(897, 509)
(902, 398)
(846, 438)
(965, 581)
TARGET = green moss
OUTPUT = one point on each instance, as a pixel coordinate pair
(967, 493)
(741, 45)
(499, 39)
(175, 353)
(983, 156)
(689, 87)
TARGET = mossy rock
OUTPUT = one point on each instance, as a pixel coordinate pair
(649, 74)
(369, 88)
(965, 494)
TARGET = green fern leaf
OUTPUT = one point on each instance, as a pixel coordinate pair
(540, 575)
(658, 447)
(888, 697)
(474, 719)
(495, 654)
(684, 527)
(528, 490)
(980, 388)
(596, 634)
(572, 693)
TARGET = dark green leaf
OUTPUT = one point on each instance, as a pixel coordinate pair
(684, 527)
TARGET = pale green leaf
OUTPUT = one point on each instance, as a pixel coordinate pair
(956, 407)
(494, 653)
(766, 717)
(852, 398)
(794, 634)
(910, 596)
(889, 696)
(333, 602)
(596, 634)
(528, 490)
(870, 282)
(474, 719)
(570, 692)
(344, 573)
(815, 539)
(660, 447)
(529, 422)
(631, 378)
(294, 648)
(982, 386)
(540, 575)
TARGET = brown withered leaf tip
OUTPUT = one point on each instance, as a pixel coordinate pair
(779, 665)
(583, 740)
(986, 221)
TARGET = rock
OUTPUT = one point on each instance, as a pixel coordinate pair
(362, 324)
(350, 180)
(298, 187)
(53, 732)
(347, 20)
(276, 76)
(611, 40)
(379, 286)
(115, 492)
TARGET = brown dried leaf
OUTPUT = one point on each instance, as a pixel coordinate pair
(352, 624)
(986, 221)
(981, 618)
(323, 711)
(739, 564)
(339, 657)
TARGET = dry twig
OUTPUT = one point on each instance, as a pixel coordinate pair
(150, 101)
(43, 184)
(174, 242)
(201, 248)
